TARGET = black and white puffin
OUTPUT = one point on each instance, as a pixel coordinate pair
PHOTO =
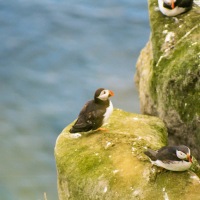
(172, 8)
(174, 158)
(95, 113)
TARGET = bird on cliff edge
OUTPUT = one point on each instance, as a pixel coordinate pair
(174, 158)
(95, 113)
(172, 8)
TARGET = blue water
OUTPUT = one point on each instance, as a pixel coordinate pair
(53, 55)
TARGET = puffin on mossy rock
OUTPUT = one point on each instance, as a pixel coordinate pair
(172, 8)
(174, 158)
(95, 113)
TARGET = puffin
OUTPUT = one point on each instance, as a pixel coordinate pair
(172, 8)
(173, 158)
(95, 113)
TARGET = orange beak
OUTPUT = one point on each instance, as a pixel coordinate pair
(111, 93)
(172, 4)
(189, 158)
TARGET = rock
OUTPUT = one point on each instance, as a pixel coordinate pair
(168, 75)
(105, 165)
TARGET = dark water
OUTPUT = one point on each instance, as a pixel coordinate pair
(53, 55)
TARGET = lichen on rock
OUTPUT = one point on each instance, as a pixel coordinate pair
(111, 164)
(171, 88)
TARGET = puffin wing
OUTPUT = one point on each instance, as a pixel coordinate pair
(184, 3)
(151, 154)
(89, 118)
(167, 154)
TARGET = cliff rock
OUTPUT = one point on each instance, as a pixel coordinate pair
(111, 164)
(168, 75)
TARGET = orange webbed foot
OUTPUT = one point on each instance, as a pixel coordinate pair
(102, 129)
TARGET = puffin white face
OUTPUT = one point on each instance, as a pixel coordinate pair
(181, 155)
(105, 94)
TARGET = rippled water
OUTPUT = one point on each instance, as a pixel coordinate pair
(53, 55)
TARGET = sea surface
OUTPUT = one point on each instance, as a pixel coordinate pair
(54, 54)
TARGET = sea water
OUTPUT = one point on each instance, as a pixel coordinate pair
(53, 55)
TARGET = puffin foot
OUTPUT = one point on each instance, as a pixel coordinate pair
(102, 129)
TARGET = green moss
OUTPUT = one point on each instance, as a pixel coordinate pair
(175, 84)
(160, 23)
(169, 184)
(109, 160)
(111, 164)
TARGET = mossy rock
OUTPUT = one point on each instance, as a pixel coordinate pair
(111, 164)
(168, 75)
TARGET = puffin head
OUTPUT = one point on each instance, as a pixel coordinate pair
(183, 153)
(103, 94)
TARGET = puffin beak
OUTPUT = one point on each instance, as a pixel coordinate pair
(111, 93)
(172, 4)
(189, 158)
